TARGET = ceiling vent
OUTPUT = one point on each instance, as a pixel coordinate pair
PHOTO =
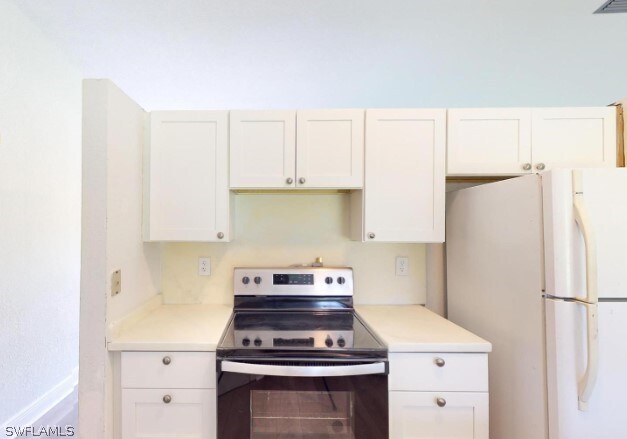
(612, 6)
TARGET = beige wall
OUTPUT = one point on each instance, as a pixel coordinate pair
(280, 230)
(40, 187)
(113, 133)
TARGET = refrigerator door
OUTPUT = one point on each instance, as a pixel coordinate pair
(604, 199)
(494, 289)
(567, 360)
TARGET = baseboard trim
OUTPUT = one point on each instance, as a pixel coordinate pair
(42, 405)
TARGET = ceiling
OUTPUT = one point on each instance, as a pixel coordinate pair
(313, 53)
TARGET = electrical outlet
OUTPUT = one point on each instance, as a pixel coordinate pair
(402, 266)
(204, 266)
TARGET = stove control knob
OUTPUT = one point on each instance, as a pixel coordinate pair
(257, 280)
(246, 341)
(341, 280)
(245, 280)
(328, 280)
(341, 342)
(328, 342)
(257, 342)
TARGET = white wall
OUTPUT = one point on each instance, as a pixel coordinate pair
(292, 229)
(40, 128)
(346, 53)
(113, 139)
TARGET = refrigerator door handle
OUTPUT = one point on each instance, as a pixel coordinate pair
(588, 381)
(582, 218)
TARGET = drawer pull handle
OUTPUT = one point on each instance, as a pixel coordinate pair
(167, 399)
(440, 362)
(167, 360)
(441, 402)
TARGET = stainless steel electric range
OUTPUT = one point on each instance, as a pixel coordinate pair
(296, 362)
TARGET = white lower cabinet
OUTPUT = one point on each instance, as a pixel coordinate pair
(168, 413)
(168, 395)
(438, 395)
(428, 415)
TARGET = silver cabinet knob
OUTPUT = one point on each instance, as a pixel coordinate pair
(167, 399)
(289, 180)
(220, 235)
(302, 180)
(441, 402)
(439, 362)
(540, 166)
(526, 167)
(371, 235)
(166, 360)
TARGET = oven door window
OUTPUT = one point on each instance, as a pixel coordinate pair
(274, 407)
(294, 414)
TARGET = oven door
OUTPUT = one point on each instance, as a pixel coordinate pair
(302, 400)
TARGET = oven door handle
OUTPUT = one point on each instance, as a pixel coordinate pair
(304, 371)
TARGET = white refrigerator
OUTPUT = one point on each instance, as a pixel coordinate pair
(538, 266)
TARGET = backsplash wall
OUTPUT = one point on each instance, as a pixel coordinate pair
(281, 230)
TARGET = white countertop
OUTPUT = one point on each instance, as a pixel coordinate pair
(403, 328)
(174, 328)
(413, 328)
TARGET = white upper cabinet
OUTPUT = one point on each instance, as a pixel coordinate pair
(263, 149)
(513, 141)
(574, 137)
(186, 194)
(491, 141)
(309, 150)
(405, 176)
(330, 149)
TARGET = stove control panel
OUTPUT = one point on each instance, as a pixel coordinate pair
(293, 281)
(294, 339)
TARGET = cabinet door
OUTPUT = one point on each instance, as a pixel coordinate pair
(263, 149)
(427, 415)
(189, 414)
(330, 149)
(574, 137)
(489, 141)
(186, 177)
(404, 187)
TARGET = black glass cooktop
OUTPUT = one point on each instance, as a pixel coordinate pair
(293, 321)
(279, 323)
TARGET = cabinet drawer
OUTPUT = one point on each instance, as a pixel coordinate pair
(188, 413)
(184, 370)
(439, 372)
